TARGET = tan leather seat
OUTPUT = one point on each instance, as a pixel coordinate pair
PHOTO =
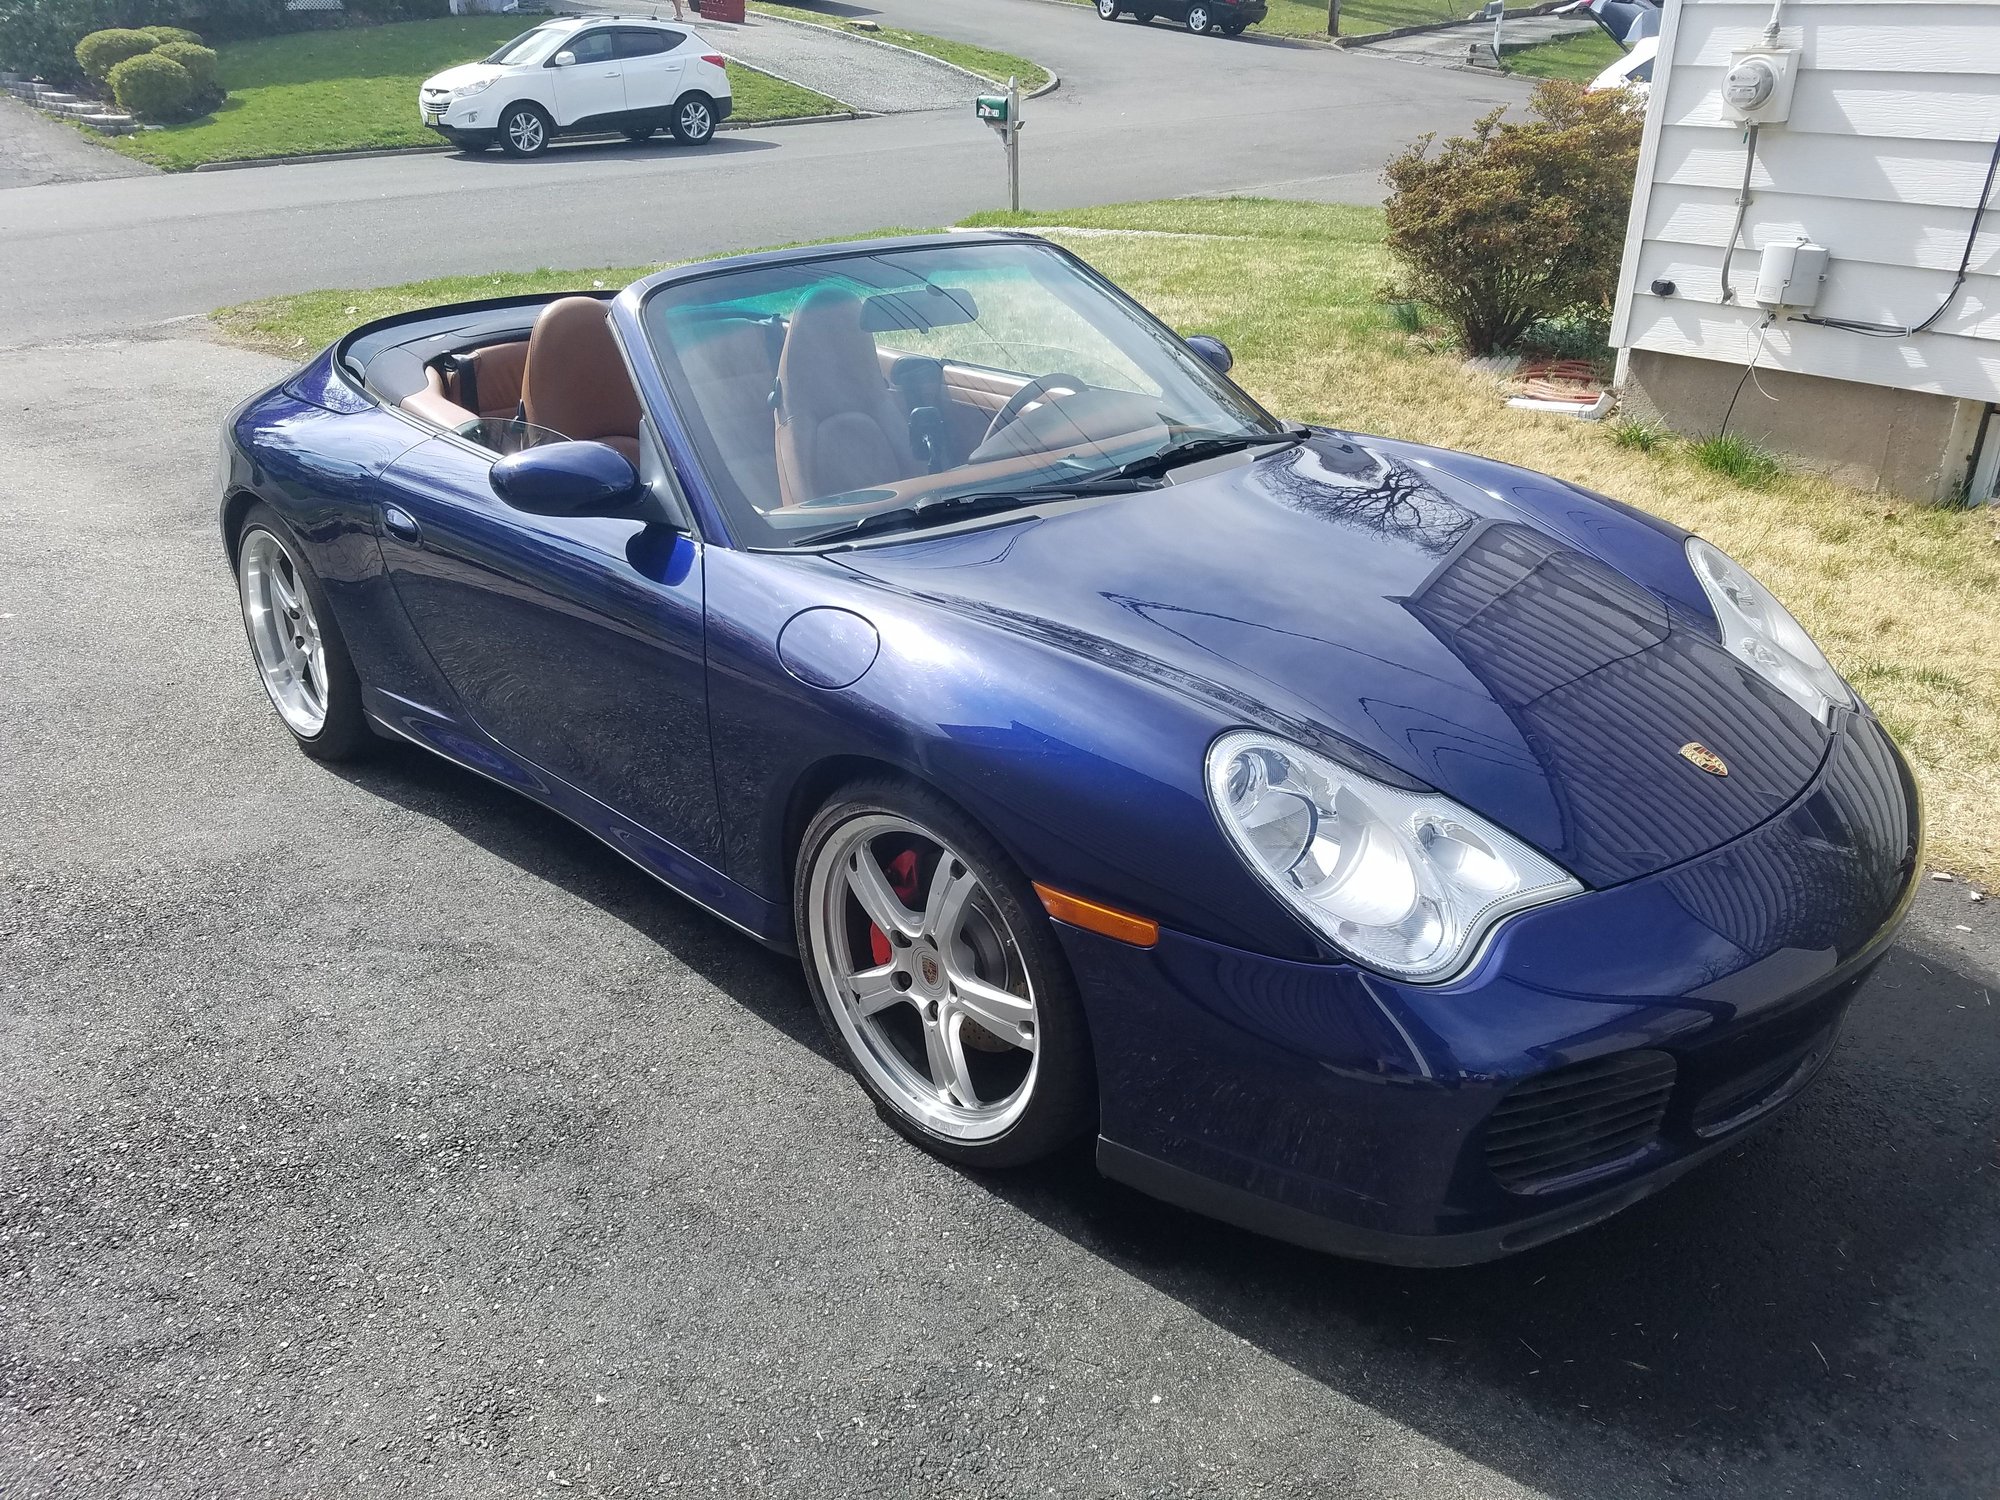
(730, 370)
(489, 379)
(574, 381)
(840, 427)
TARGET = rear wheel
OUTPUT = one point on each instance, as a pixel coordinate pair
(1107, 9)
(525, 131)
(295, 642)
(938, 975)
(638, 133)
(694, 119)
(1199, 19)
(1232, 31)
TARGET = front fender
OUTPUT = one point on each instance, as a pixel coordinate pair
(1090, 778)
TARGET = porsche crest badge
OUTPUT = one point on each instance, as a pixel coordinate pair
(1698, 755)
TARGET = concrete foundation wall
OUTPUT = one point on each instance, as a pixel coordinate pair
(1903, 443)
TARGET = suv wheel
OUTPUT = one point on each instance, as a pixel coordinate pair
(524, 131)
(694, 119)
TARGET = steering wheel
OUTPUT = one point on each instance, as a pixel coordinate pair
(1027, 395)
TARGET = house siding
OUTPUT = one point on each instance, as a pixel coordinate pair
(1892, 128)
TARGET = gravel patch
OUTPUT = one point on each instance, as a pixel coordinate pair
(35, 150)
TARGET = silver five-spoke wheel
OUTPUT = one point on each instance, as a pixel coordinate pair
(924, 977)
(284, 632)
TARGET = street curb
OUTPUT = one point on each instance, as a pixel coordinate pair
(293, 161)
(1346, 43)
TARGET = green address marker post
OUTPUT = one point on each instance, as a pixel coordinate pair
(1003, 113)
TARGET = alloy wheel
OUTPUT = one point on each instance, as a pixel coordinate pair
(284, 632)
(525, 132)
(924, 978)
(697, 123)
(1197, 19)
(1108, 9)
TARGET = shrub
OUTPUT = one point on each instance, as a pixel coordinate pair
(101, 51)
(152, 87)
(161, 35)
(199, 61)
(1522, 220)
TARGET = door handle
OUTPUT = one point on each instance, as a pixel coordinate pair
(401, 524)
(614, 73)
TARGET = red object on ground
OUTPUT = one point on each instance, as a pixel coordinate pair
(722, 10)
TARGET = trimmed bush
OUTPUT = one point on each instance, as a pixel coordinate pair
(152, 87)
(197, 59)
(1520, 221)
(161, 35)
(101, 51)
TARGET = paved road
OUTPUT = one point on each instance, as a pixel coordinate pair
(1143, 112)
(371, 1132)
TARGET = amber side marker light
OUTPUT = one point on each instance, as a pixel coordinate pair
(1094, 916)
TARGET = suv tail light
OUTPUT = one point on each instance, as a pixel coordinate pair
(714, 57)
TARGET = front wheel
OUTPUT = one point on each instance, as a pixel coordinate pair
(524, 131)
(296, 643)
(937, 973)
(1199, 20)
(694, 119)
(1107, 10)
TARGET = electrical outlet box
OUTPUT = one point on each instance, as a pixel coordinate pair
(1789, 276)
(1759, 84)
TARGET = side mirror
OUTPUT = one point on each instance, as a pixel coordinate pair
(567, 479)
(563, 59)
(1213, 352)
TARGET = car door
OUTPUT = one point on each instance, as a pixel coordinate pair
(593, 86)
(575, 643)
(653, 68)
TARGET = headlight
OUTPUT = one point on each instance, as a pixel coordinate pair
(467, 90)
(1405, 882)
(1761, 633)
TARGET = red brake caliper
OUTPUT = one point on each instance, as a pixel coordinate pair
(902, 873)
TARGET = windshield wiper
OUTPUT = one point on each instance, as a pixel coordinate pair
(947, 508)
(1193, 450)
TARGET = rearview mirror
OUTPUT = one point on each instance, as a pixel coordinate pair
(1214, 353)
(567, 479)
(564, 59)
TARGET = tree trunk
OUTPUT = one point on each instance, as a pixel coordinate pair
(1333, 17)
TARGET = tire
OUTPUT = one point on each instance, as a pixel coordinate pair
(1200, 20)
(525, 131)
(472, 145)
(693, 123)
(983, 996)
(1143, 17)
(1107, 10)
(295, 641)
(1232, 31)
(640, 133)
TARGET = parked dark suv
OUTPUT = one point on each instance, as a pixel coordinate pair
(1214, 17)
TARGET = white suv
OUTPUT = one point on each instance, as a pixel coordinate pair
(581, 74)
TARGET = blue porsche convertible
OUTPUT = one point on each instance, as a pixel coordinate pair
(1384, 848)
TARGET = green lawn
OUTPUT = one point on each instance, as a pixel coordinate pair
(356, 90)
(1579, 58)
(999, 66)
(1296, 290)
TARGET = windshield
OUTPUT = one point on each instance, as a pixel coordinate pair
(823, 393)
(529, 46)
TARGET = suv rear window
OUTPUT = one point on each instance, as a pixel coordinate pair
(646, 43)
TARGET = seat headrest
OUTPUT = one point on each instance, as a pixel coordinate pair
(826, 348)
(575, 381)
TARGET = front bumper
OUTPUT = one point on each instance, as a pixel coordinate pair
(1332, 1107)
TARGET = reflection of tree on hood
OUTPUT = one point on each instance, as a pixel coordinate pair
(1337, 481)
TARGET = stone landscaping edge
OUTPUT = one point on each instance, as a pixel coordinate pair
(239, 163)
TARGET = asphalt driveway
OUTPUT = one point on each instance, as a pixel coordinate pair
(372, 1132)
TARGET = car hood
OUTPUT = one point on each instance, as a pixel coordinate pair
(1375, 600)
(464, 73)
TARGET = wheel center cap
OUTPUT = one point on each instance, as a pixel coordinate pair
(927, 966)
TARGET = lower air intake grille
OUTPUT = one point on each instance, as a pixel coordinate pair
(1578, 1118)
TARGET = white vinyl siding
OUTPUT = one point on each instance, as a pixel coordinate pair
(1892, 127)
